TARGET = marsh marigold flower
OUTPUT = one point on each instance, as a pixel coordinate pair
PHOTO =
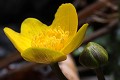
(40, 43)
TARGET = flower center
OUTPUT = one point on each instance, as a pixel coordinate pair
(51, 38)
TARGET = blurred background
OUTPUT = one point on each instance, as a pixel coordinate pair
(102, 16)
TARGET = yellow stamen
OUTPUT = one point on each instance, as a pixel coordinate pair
(52, 38)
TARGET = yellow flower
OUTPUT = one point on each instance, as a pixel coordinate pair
(40, 43)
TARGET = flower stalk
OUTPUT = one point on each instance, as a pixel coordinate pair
(55, 67)
(99, 74)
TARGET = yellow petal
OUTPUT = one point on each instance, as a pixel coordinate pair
(31, 27)
(43, 55)
(66, 18)
(20, 42)
(76, 41)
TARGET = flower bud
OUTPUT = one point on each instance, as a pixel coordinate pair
(93, 56)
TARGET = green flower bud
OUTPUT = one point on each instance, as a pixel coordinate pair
(93, 56)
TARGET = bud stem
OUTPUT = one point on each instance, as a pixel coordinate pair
(99, 74)
(55, 67)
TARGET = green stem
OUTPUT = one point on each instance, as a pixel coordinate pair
(55, 67)
(99, 74)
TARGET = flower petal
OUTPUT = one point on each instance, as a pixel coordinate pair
(20, 42)
(42, 55)
(66, 18)
(76, 41)
(31, 27)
